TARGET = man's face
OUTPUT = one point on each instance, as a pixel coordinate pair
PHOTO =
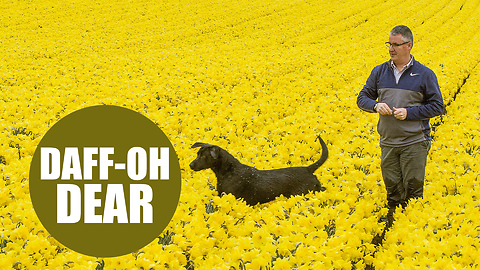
(399, 54)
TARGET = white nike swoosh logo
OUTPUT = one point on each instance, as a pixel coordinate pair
(414, 74)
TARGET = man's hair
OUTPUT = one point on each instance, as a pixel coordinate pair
(403, 30)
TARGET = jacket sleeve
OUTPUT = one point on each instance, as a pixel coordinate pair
(366, 99)
(433, 101)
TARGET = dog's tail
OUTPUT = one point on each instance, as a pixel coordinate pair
(312, 168)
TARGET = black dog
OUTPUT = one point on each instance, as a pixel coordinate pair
(253, 185)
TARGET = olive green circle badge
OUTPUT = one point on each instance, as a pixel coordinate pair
(105, 181)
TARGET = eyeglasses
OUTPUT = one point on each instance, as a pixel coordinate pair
(395, 45)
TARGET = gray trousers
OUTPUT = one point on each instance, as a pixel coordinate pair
(403, 171)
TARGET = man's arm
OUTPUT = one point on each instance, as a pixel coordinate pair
(367, 98)
(433, 105)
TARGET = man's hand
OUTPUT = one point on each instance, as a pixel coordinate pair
(383, 109)
(400, 113)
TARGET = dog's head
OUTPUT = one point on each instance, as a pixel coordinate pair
(207, 156)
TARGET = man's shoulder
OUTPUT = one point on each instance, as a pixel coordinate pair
(421, 67)
(381, 67)
(385, 64)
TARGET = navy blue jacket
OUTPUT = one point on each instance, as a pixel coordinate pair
(417, 91)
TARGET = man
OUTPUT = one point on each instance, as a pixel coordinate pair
(408, 95)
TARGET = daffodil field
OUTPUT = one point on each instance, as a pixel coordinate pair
(261, 79)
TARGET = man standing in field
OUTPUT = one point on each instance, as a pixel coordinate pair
(408, 96)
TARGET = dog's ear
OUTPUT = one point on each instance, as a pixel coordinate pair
(214, 150)
(199, 144)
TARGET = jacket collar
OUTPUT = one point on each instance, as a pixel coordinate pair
(409, 65)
